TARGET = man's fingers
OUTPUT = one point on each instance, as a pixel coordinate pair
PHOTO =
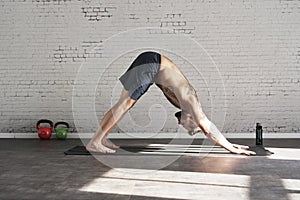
(243, 151)
(249, 153)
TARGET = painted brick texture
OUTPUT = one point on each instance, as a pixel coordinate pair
(246, 69)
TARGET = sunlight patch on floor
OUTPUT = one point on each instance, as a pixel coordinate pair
(293, 185)
(284, 153)
(190, 150)
(170, 184)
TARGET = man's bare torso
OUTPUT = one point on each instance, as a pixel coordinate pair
(172, 82)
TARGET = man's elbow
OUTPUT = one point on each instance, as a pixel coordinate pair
(205, 130)
(205, 126)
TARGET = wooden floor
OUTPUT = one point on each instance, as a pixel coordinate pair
(35, 169)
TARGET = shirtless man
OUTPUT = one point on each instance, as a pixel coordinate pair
(149, 68)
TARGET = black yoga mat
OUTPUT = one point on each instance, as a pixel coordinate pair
(146, 150)
(81, 150)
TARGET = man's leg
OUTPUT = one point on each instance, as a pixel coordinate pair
(99, 143)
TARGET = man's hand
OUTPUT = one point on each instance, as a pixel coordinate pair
(241, 149)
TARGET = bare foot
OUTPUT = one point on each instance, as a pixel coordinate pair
(99, 148)
(105, 142)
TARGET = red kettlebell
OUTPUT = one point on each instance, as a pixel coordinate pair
(44, 132)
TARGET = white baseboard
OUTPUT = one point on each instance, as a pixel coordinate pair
(151, 135)
(7, 135)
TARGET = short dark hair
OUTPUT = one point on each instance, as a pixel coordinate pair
(178, 115)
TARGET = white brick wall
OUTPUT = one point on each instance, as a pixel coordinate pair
(254, 44)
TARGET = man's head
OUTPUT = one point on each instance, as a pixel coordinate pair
(186, 120)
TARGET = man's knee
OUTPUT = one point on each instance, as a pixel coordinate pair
(126, 104)
(129, 103)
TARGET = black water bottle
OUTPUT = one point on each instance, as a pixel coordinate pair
(259, 132)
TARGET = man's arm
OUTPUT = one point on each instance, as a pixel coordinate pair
(192, 105)
(215, 135)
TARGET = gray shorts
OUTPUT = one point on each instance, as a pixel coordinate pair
(141, 74)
